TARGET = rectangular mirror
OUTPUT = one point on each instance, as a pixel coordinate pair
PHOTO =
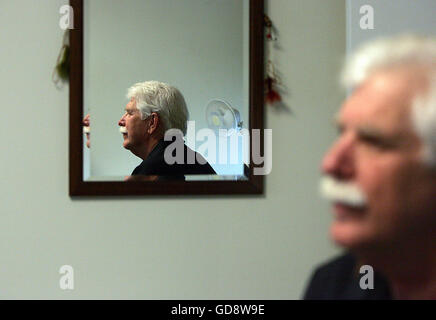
(192, 65)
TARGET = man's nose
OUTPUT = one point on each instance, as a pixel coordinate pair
(122, 122)
(339, 160)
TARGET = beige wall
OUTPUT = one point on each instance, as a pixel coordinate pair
(152, 248)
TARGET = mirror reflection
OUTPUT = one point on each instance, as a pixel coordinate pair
(165, 89)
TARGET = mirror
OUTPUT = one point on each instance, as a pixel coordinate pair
(210, 52)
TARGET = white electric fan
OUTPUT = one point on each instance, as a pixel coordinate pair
(221, 115)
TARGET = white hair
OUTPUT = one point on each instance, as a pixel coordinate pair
(162, 98)
(397, 52)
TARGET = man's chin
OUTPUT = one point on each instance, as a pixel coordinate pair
(126, 146)
(347, 234)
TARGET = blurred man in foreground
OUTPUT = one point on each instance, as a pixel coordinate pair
(380, 175)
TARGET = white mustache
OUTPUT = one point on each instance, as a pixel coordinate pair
(344, 192)
(123, 130)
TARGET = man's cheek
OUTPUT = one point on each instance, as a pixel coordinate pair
(373, 177)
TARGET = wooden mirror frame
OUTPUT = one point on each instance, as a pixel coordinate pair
(79, 187)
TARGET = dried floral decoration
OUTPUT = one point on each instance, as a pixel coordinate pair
(61, 73)
(271, 80)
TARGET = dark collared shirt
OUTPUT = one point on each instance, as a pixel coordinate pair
(339, 280)
(155, 165)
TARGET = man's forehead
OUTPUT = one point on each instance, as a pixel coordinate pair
(131, 105)
(394, 86)
(382, 100)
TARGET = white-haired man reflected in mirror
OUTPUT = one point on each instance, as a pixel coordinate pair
(153, 108)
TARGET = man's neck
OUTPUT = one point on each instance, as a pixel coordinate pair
(415, 276)
(410, 269)
(414, 289)
(148, 147)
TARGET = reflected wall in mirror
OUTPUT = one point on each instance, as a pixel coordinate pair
(208, 51)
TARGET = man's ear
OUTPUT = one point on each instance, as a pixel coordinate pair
(154, 123)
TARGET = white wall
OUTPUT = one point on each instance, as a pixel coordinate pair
(391, 17)
(156, 247)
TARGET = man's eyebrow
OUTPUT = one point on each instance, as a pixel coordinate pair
(375, 134)
(370, 132)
